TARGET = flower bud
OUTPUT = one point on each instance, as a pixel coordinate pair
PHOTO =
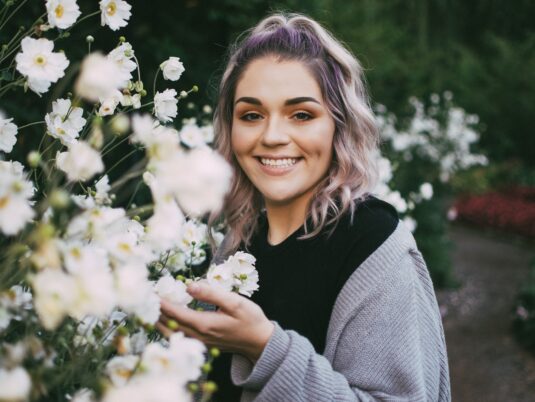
(209, 387)
(214, 352)
(183, 94)
(180, 278)
(173, 325)
(206, 368)
(120, 124)
(193, 387)
(59, 199)
(89, 39)
(122, 39)
(34, 158)
(195, 88)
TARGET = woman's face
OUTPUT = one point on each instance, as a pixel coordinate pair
(282, 132)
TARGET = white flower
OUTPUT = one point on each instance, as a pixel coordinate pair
(115, 13)
(8, 134)
(163, 227)
(131, 100)
(142, 129)
(173, 291)
(172, 68)
(426, 190)
(39, 64)
(95, 292)
(62, 13)
(109, 103)
(65, 122)
(80, 162)
(78, 256)
(15, 192)
(123, 56)
(148, 389)
(192, 136)
(135, 293)
(166, 105)
(221, 275)
(163, 145)
(99, 77)
(97, 223)
(410, 223)
(199, 179)
(54, 293)
(192, 237)
(83, 395)
(182, 360)
(15, 384)
(121, 368)
(244, 272)
(208, 133)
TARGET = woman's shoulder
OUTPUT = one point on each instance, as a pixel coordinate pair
(360, 234)
(370, 223)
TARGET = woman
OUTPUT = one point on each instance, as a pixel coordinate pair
(346, 310)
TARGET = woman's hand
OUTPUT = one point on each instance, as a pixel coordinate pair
(239, 326)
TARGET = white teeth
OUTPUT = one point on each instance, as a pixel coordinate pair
(279, 162)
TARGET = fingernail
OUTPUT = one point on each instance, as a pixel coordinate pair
(193, 288)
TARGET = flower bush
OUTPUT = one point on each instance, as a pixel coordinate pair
(83, 268)
(511, 210)
(423, 151)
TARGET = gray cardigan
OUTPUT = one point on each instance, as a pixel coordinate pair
(385, 340)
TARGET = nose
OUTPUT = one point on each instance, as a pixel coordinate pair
(275, 133)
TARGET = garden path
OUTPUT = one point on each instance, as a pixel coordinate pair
(486, 364)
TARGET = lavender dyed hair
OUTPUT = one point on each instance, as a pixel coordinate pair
(353, 172)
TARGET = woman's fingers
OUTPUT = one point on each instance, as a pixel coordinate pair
(227, 301)
(204, 322)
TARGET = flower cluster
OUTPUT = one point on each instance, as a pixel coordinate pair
(84, 269)
(442, 134)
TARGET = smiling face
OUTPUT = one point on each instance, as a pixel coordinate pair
(282, 132)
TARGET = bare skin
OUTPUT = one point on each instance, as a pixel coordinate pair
(282, 136)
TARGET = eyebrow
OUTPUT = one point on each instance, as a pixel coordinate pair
(288, 102)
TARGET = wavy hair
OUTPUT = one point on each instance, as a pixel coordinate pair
(353, 172)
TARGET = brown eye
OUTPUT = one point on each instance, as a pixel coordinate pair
(250, 117)
(303, 116)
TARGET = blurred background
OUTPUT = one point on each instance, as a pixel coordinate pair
(425, 61)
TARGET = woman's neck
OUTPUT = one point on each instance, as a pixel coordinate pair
(284, 219)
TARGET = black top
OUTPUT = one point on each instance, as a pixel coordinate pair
(299, 280)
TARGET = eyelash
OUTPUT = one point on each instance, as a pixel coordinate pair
(308, 116)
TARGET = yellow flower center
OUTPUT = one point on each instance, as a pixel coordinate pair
(76, 253)
(125, 247)
(40, 60)
(3, 202)
(59, 11)
(111, 9)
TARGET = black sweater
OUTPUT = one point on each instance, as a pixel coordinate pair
(300, 279)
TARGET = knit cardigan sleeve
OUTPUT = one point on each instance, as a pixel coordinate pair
(385, 340)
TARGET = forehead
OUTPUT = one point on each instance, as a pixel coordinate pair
(269, 78)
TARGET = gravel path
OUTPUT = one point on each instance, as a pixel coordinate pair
(486, 364)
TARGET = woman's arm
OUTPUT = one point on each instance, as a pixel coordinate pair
(385, 343)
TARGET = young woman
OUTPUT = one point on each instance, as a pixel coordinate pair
(346, 310)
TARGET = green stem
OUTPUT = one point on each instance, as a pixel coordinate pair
(31, 124)
(154, 83)
(13, 13)
(121, 160)
(7, 87)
